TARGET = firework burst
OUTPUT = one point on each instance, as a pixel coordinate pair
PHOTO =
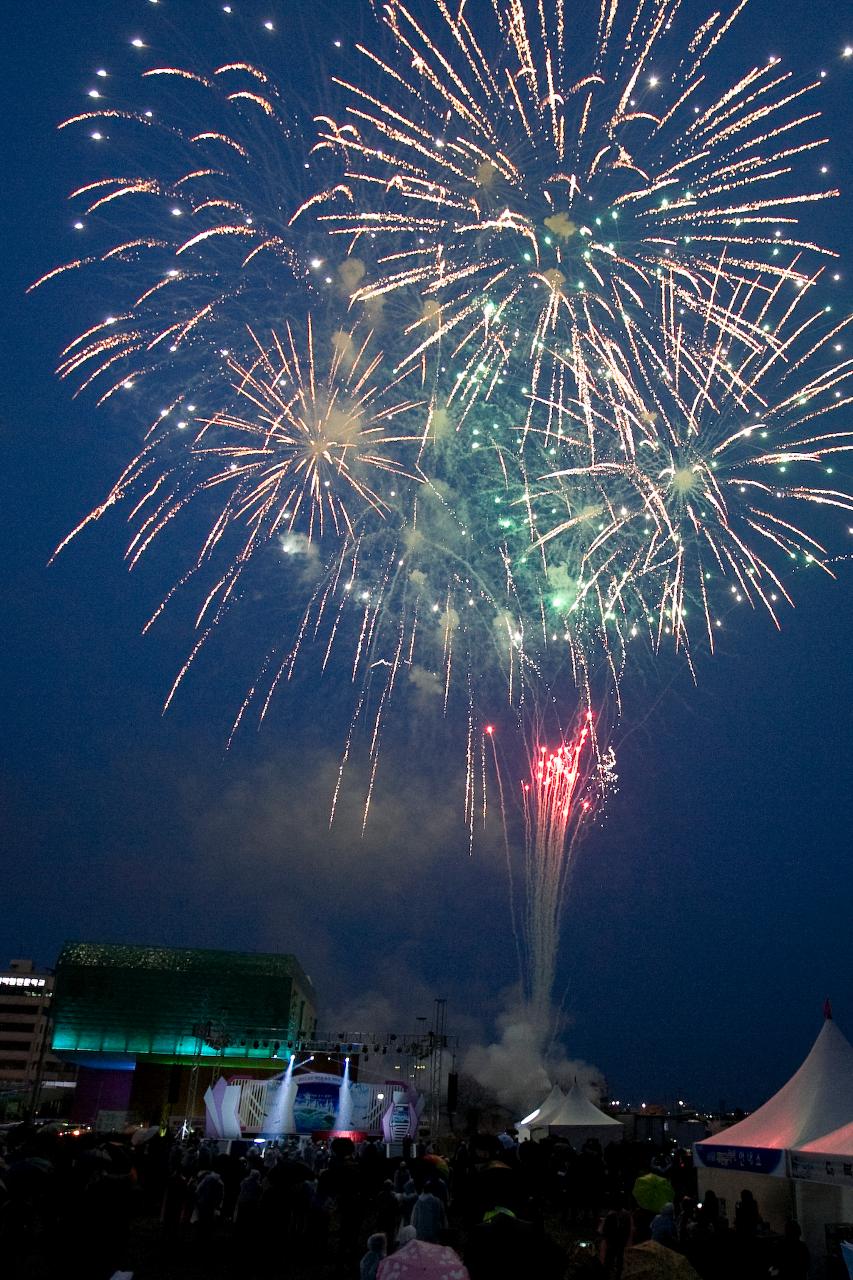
(522, 374)
(697, 491)
(197, 237)
(529, 177)
(316, 443)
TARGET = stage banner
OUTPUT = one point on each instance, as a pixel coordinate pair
(315, 1108)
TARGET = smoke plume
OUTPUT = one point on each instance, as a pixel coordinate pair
(522, 1064)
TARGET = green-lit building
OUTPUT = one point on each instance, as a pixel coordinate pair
(148, 1027)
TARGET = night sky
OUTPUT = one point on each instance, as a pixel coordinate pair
(710, 912)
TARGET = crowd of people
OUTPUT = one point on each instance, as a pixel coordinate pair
(488, 1209)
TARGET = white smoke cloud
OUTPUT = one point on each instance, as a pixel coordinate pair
(520, 1067)
(297, 544)
(427, 685)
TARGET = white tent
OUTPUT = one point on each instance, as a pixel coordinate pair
(822, 1173)
(542, 1113)
(810, 1115)
(816, 1100)
(836, 1147)
(826, 1159)
(577, 1119)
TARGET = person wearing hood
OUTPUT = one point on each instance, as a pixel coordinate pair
(663, 1227)
(209, 1194)
(377, 1247)
(429, 1217)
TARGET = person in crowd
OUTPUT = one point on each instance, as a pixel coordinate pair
(209, 1194)
(614, 1232)
(406, 1196)
(377, 1247)
(747, 1217)
(662, 1229)
(387, 1206)
(429, 1216)
(421, 1258)
(440, 1188)
(641, 1221)
(685, 1220)
(246, 1208)
(708, 1217)
(504, 1247)
(792, 1261)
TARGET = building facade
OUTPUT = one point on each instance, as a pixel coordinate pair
(149, 1027)
(29, 1071)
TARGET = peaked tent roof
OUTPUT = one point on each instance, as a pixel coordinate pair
(837, 1143)
(816, 1101)
(545, 1109)
(577, 1112)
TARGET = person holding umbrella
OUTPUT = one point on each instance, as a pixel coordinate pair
(420, 1260)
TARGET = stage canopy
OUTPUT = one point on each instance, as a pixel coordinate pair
(816, 1105)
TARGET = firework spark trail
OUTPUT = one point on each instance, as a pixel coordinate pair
(489, 736)
(567, 785)
(518, 212)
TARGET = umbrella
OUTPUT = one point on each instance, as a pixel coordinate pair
(651, 1261)
(439, 1164)
(144, 1135)
(652, 1192)
(418, 1260)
